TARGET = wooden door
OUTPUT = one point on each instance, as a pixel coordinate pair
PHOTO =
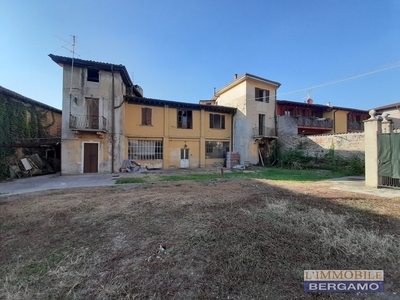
(90, 157)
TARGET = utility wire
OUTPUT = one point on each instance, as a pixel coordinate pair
(341, 80)
(397, 65)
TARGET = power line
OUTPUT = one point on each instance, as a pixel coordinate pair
(344, 79)
(309, 89)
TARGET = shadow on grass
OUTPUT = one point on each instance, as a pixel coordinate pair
(236, 239)
(264, 173)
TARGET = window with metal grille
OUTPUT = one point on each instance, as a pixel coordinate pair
(185, 119)
(216, 149)
(146, 116)
(217, 121)
(145, 150)
(262, 95)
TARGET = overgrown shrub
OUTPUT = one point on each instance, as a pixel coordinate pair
(297, 159)
(293, 159)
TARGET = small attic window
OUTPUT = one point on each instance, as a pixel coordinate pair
(93, 75)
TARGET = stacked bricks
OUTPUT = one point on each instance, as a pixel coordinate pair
(232, 159)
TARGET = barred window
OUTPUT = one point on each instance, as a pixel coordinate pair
(145, 150)
(216, 149)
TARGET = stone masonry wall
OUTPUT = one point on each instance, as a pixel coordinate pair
(345, 145)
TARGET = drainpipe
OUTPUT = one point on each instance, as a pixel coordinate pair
(276, 116)
(112, 121)
(334, 120)
(232, 129)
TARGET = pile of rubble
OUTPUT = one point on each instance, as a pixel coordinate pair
(131, 166)
(32, 165)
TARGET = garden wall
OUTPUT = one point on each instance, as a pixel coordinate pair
(345, 145)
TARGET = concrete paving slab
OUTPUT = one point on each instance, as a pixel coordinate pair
(356, 184)
(54, 181)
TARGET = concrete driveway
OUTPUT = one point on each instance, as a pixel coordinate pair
(54, 181)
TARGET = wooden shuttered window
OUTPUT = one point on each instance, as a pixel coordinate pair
(146, 116)
(92, 107)
(217, 121)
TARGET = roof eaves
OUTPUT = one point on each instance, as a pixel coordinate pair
(263, 79)
(320, 106)
(240, 79)
(28, 100)
(393, 105)
(98, 65)
(159, 102)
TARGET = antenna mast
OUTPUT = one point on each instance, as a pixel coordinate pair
(73, 59)
(72, 66)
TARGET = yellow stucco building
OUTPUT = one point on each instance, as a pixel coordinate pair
(106, 120)
(254, 122)
(165, 134)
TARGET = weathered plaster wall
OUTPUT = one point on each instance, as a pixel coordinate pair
(242, 97)
(71, 146)
(255, 108)
(286, 126)
(345, 145)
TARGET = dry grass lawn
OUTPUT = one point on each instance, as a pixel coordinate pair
(220, 238)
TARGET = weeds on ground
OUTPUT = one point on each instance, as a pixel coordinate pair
(272, 173)
(189, 242)
(297, 159)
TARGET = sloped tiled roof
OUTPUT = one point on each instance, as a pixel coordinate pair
(175, 104)
(81, 63)
(288, 102)
(389, 106)
(19, 97)
(241, 79)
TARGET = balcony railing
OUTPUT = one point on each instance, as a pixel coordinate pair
(87, 123)
(355, 125)
(263, 131)
(314, 122)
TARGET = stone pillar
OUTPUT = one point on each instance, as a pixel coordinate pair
(372, 127)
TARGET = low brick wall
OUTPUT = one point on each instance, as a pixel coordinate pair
(345, 145)
(232, 159)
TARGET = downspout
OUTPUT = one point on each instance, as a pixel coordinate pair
(232, 128)
(112, 121)
(276, 116)
(334, 120)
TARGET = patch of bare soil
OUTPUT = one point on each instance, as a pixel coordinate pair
(222, 238)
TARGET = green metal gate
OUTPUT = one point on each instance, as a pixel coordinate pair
(389, 160)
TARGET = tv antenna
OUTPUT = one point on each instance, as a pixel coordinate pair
(73, 44)
(308, 95)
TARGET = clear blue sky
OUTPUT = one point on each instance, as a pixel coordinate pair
(181, 49)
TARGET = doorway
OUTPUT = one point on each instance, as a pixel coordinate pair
(184, 158)
(90, 158)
